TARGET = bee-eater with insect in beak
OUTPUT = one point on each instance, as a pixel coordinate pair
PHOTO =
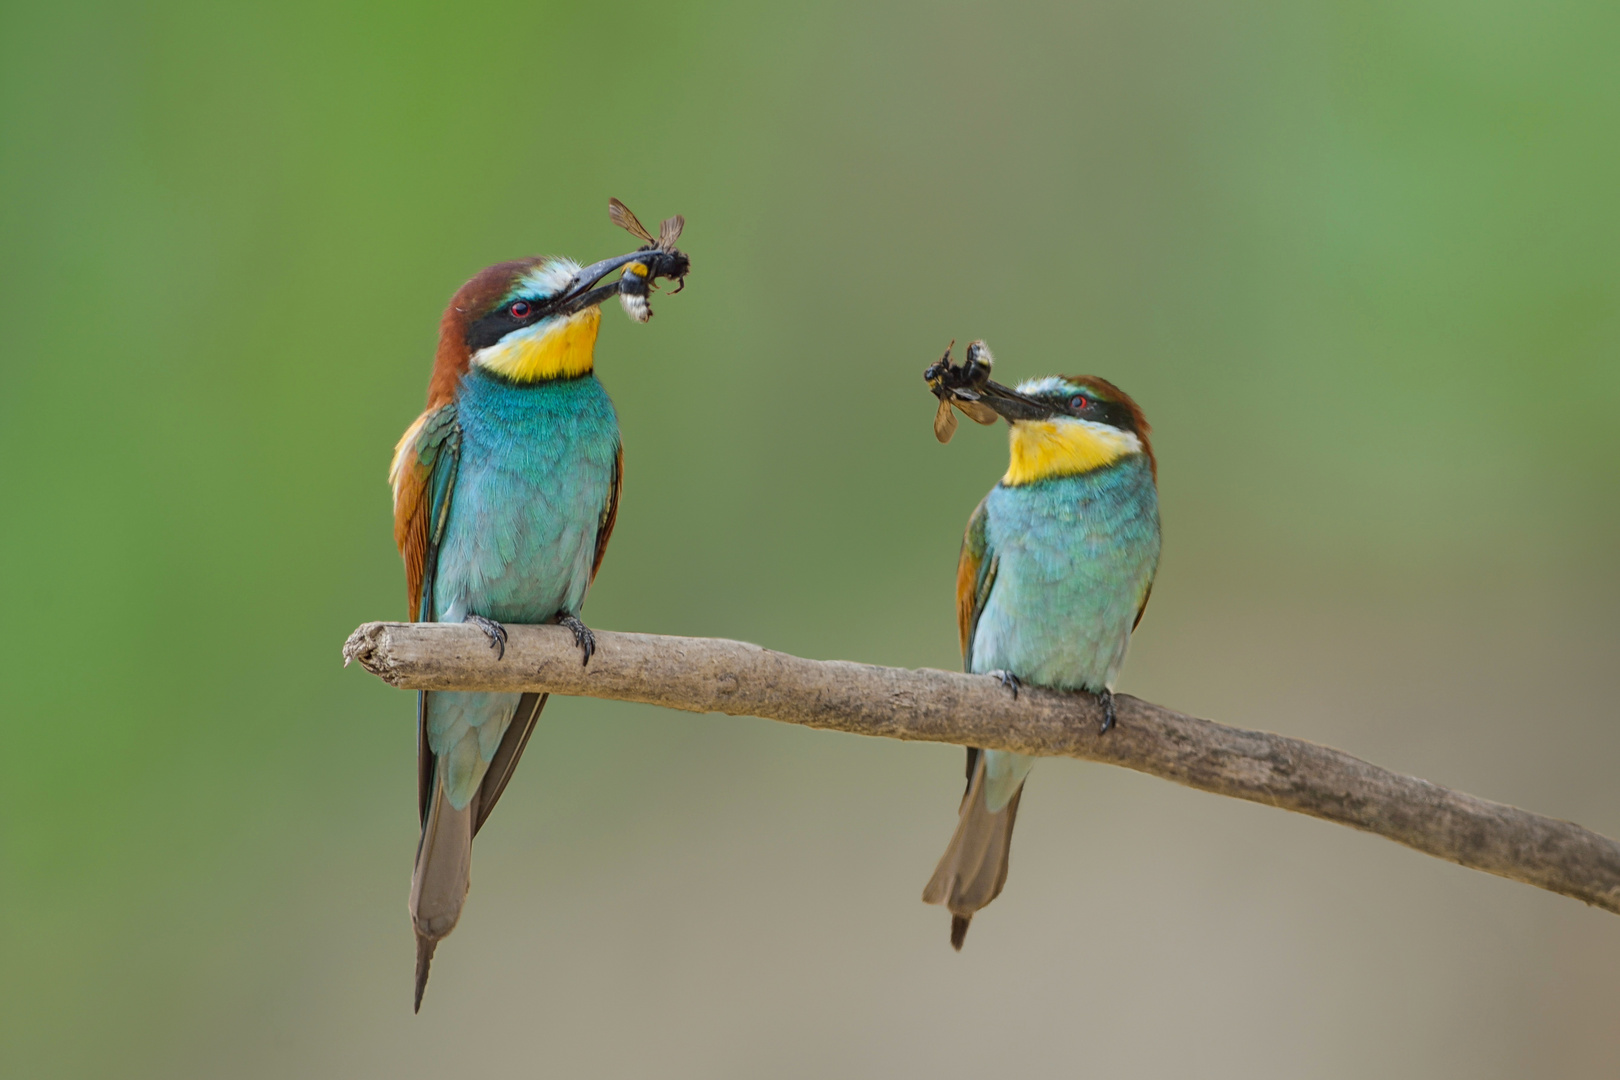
(505, 493)
(1055, 571)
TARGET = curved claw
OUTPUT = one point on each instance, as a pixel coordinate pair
(582, 637)
(1106, 697)
(1009, 680)
(495, 631)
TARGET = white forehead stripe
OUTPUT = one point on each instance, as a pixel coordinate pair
(547, 279)
(1051, 384)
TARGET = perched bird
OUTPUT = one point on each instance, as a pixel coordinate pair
(1055, 571)
(505, 492)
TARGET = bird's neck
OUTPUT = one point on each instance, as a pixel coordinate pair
(554, 350)
(1042, 449)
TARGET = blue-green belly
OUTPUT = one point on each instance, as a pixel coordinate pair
(535, 476)
(1075, 557)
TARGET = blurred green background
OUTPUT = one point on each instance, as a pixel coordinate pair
(1356, 260)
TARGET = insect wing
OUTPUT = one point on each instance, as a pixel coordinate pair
(621, 216)
(944, 421)
(670, 231)
(977, 411)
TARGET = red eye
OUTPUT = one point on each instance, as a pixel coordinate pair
(520, 309)
(1078, 402)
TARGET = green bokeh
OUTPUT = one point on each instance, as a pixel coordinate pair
(1357, 261)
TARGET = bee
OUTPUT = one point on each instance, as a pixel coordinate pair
(960, 387)
(662, 261)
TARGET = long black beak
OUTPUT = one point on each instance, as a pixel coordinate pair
(1011, 405)
(579, 294)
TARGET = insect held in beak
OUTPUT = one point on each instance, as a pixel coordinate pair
(663, 260)
(959, 387)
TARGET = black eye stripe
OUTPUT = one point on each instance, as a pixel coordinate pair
(482, 333)
(1107, 412)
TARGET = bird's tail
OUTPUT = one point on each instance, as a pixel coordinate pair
(444, 854)
(974, 867)
(439, 882)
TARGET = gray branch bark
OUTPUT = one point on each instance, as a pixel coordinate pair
(738, 679)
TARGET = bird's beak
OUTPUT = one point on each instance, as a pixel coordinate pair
(1013, 406)
(579, 294)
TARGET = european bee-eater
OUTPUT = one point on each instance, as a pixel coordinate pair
(505, 492)
(1055, 571)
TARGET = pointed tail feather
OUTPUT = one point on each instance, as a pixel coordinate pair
(439, 882)
(424, 960)
(444, 854)
(974, 867)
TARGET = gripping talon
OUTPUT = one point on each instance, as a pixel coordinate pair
(582, 637)
(1107, 699)
(495, 631)
(1009, 680)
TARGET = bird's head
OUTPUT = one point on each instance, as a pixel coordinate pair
(527, 320)
(1068, 424)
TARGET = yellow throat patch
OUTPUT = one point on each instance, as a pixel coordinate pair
(1042, 449)
(561, 352)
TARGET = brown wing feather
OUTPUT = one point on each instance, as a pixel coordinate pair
(410, 533)
(973, 579)
(411, 476)
(610, 513)
(430, 443)
(967, 582)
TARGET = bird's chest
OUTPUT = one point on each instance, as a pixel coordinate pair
(535, 476)
(1075, 557)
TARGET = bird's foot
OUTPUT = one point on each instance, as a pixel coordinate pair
(495, 631)
(1008, 679)
(1106, 697)
(582, 637)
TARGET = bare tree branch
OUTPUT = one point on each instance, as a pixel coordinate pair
(732, 677)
